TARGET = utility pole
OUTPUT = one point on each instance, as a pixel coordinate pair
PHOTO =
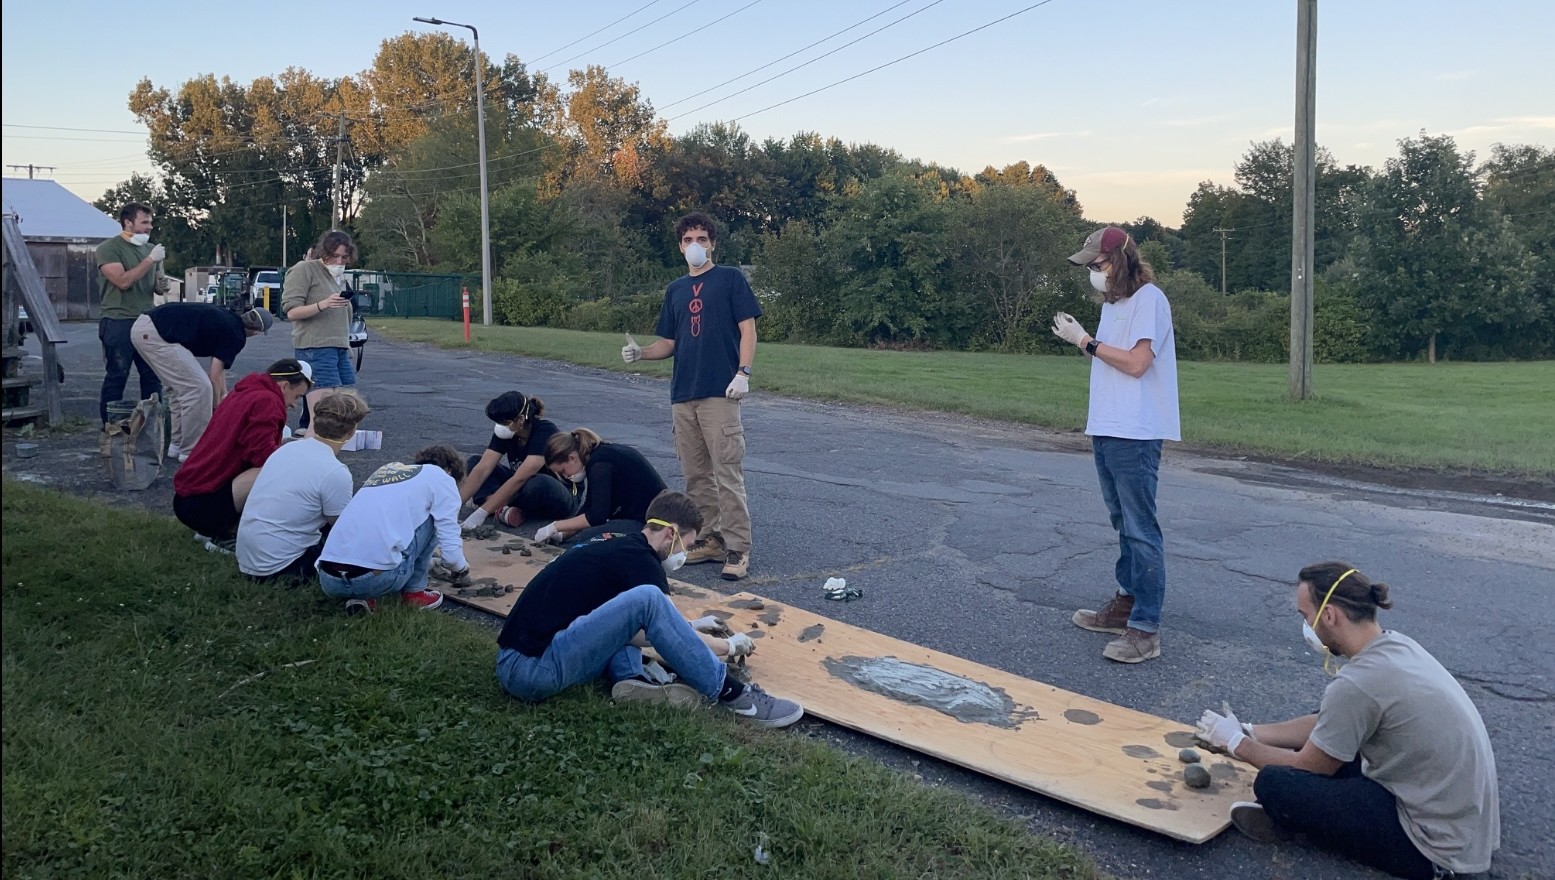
(1303, 196)
(1223, 234)
(283, 237)
(31, 167)
(339, 218)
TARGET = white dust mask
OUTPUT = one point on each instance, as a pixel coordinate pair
(337, 270)
(1310, 636)
(675, 561)
(696, 256)
(1099, 281)
(139, 239)
(503, 432)
(578, 477)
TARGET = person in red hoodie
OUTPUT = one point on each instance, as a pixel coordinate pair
(210, 488)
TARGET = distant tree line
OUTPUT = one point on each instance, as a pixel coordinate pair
(847, 244)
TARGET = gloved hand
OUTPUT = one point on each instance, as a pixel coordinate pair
(631, 352)
(474, 520)
(460, 578)
(1221, 729)
(738, 388)
(707, 624)
(548, 533)
(740, 645)
(1065, 327)
(158, 253)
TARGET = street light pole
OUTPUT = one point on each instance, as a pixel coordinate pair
(480, 134)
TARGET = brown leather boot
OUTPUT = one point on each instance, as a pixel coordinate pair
(1112, 618)
(1136, 646)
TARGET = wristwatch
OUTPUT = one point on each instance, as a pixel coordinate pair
(1090, 347)
(745, 369)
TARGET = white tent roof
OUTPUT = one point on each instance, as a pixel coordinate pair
(47, 210)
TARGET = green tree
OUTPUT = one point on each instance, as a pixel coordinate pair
(1519, 188)
(1438, 268)
(797, 286)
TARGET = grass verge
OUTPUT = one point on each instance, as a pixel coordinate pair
(1493, 418)
(164, 718)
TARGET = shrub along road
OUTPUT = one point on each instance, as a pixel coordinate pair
(980, 538)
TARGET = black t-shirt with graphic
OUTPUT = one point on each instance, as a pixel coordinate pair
(515, 449)
(621, 484)
(576, 583)
(703, 314)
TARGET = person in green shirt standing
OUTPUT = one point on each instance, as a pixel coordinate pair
(130, 268)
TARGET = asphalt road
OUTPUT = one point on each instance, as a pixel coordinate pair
(980, 539)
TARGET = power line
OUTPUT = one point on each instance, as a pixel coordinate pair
(808, 63)
(785, 57)
(617, 39)
(698, 29)
(896, 61)
(592, 33)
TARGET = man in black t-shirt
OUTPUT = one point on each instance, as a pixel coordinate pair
(170, 337)
(591, 611)
(508, 480)
(708, 325)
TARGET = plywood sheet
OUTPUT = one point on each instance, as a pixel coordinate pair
(1113, 761)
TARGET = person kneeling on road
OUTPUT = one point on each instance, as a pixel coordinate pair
(589, 613)
(384, 539)
(617, 486)
(508, 480)
(212, 486)
(300, 492)
(1395, 770)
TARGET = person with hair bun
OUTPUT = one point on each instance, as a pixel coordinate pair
(1395, 769)
(614, 482)
(508, 481)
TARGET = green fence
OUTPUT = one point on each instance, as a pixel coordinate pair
(416, 294)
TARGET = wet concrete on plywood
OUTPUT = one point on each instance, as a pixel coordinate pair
(967, 701)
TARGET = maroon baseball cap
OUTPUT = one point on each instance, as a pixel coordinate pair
(1103, 241)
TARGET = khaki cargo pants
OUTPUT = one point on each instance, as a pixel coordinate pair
(186, 386)
(710, 441)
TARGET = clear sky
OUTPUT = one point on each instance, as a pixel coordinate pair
(1130, 103)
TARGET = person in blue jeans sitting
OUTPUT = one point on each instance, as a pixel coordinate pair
(589, 613)
(383, 541)
(1133, 408)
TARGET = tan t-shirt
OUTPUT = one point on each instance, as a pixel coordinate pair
(307, 283)
(1421, 738)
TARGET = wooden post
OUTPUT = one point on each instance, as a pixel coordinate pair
(1304, 194)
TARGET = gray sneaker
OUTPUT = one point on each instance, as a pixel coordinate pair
(636, 690)
(762, 709)
(1255, 823)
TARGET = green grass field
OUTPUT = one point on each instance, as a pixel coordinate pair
(1466, 418)
(165, 718)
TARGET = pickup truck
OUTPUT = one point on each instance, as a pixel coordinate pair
(267, 290)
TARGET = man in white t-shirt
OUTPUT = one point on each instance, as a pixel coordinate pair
(300, 491)
(383, 542)
(1395, 770)
(1133, 409)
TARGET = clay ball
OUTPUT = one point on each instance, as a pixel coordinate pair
(1196, 775)
(1188, 756)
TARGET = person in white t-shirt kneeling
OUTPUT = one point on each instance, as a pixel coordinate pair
(301, 490)
(1395, 770)
(1133, 408)
(383, 541)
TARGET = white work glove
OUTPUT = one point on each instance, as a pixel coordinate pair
(631, 352)
(707, 624)
(1065, 327)
(1221, 729)
(474, 520)
(740, 645)
(549, 534)
(158, 253)
(738, 387)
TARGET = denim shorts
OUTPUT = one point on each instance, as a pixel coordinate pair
(331, 366)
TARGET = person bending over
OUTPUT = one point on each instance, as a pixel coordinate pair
(591, 611)
(383, 541)
(508, 480)
(1395, 770)
(617, 484)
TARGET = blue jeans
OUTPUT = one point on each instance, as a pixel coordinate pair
(331, 366)
(596, 645)
(1347, 812)
(410, 576)
(1127, 470)
(541, 497)
(118, 354)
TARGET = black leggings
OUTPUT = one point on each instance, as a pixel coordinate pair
(1347, 812)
